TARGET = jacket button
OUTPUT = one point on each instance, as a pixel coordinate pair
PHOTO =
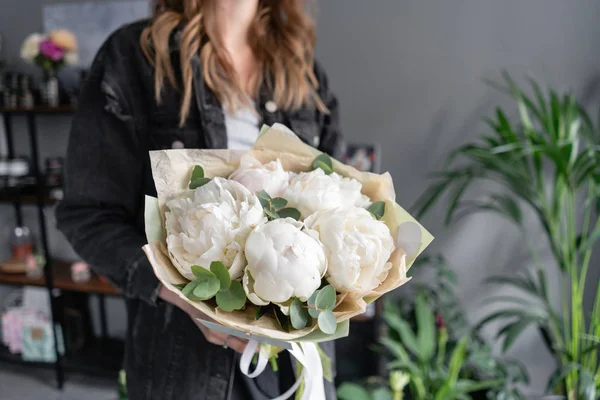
(178, 144)
(316, 141)
(271, 106)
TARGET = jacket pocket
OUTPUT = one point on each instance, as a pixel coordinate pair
(304, 124)
(165, 133)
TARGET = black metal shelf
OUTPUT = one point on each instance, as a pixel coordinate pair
(24, 197)
(56, 273)
(98, 357)
(62, 109)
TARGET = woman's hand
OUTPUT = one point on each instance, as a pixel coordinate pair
(214, 337)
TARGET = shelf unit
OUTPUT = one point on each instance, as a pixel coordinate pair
(102, 354)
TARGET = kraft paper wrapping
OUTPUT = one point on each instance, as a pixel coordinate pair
(172, 169)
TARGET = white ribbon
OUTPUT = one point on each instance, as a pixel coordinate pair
(307, 354)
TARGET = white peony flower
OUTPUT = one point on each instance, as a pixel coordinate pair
(313, 191)
(357, 246)
(257, 176)
(30, 48)
(211, 224)
(284, 261)
(71, 58)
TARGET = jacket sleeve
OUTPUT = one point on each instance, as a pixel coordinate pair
(104, 181)
(331, 140)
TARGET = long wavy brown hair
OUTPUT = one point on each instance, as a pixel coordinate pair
(282, 38)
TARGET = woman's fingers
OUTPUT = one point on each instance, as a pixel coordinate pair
(236, 344)
(222, 339)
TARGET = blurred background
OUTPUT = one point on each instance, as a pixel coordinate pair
(415, 80)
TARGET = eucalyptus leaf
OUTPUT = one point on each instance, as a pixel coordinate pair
(278, 203)
(327, 322)
(197, 173)
(377, 209)
(312, 310)
(180, 286)
(222, 274)
(271, 214)
(263, 195)
(232, 299)
(323, 162)
(200, 272)
(324, 167)
(189, 288)
(289, 212)
(325, 298)
(196, 183)
(206, 288)
(299, 314)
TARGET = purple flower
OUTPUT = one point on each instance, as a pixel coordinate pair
(51, 51)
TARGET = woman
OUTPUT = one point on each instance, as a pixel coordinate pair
(199, 74)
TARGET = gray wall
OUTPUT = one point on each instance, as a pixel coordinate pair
(409, 75)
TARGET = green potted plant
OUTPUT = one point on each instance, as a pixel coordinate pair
(547, 161)
(432, 352)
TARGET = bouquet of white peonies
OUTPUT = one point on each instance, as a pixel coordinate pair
(280, 244)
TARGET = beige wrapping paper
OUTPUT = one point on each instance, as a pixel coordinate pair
(172, 169)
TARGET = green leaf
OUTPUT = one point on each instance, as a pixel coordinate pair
(278, 203)
(468, 386)
(382, 393)
(282, 319)
(205, 289)
(264, 198)
(196, 183)
(326, 363)
(457, 360)
(299, 314)
(377, 209)
(327, 322)
(189, 288)
(197, 173)
(324, 167)
(273, 362)
(325, 298)
(457, 193)
(271, 214)
(289, 212)
(515, 281)
(403, 330)
(405, 361)
(222, 274)
(180, 286)
(260, 311)
(513, 330)
(538, 314)
(559, 375)
(324, 162)
(232, 299)
(426, 335)
(587, 385)
(200, 272)
(352, 391)
(312, 310)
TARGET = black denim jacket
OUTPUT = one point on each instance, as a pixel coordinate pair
(108, 173)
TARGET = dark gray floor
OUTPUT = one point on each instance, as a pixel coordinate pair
(19, 382)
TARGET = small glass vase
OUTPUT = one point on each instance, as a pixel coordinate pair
(50, 89)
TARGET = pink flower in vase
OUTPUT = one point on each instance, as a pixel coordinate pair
(51, 51)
